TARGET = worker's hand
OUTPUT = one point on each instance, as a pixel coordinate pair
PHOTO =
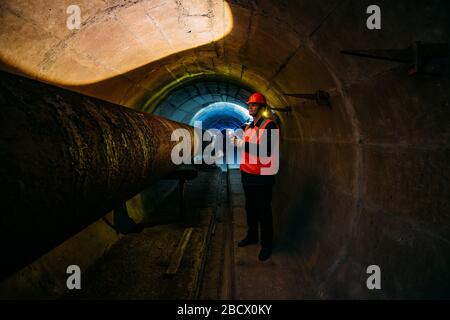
(230, 136)
(235, 140)
(238, 142)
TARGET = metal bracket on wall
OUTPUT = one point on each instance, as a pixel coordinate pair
(423, 58)
(322, 98)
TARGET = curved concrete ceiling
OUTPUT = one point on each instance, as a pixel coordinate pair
(182, 103)
(114, 36)
(125, 50)
(109, 60)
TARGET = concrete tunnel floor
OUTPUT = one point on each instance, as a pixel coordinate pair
(212, 266)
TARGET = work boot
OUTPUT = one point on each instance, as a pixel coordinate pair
(265, 253)
(247, 241)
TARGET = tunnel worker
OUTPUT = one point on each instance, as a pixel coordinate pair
(257, 183)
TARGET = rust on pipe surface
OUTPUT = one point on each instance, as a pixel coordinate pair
(66, 160)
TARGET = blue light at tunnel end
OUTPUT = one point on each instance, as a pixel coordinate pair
(222, 115)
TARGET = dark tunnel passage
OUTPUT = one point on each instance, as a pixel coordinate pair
(198, 99)
(212, 102)
(85, 142)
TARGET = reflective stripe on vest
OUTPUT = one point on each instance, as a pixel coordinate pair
(254, 166)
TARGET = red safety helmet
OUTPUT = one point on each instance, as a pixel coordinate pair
(257, 98)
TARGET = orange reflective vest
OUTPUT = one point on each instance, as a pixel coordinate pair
(251, 163)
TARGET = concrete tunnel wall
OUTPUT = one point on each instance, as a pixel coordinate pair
(362, 182)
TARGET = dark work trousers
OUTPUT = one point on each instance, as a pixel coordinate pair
(258, 199)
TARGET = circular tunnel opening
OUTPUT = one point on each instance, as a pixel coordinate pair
(215, 99)
(216, 102)
(222, 116)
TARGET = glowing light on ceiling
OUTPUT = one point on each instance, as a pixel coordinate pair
(118, 40)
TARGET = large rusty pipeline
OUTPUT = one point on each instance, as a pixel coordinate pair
(66, 160)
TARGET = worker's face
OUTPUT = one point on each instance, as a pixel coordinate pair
(253, 109)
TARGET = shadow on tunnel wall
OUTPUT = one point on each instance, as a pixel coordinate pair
(295, 225)
(155, 205)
